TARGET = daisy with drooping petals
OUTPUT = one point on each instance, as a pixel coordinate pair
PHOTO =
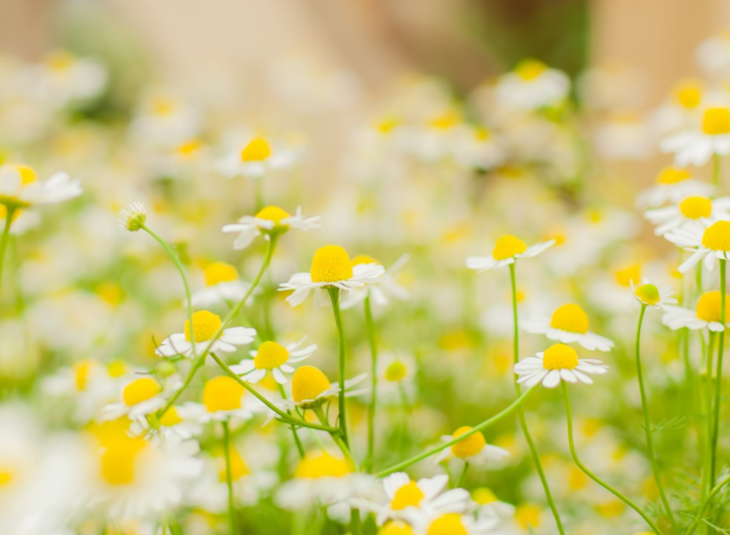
(672, 185)
(310, 388)
(706, 243)
(692, 210)
(139, 397)
(272, 357)
(651, 296)
(379, 293)
(222, 285)
(20, 187)
(705, 316)
(254, 158)
(506, 251)
(696, 148)
(268, 221)
(473, 449)
(532, 85)
(331, 268)
(557, 363)
(569, 323)
(205, 326)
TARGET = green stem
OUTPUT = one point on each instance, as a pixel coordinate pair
(229, 479)
(718, 378)
(342, 417)
(370, 327)
(9, 214)
(716, 170)
(476, 429)
(298, 442)
(522, 417)
(590, 474)
(647, 424)
(462, 476)
(706, 403)
(706, 503)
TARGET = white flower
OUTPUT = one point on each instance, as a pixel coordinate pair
(223, 398)
(310, 388)
(707, 314)
(274, 358)
(568, 323)
(473, 449)
(20, 187)
(672, 185)
(379, 293)
(713, 55)
(254, 158)
(139, 397)
(63, 78)
(205, 325)
(557, 363)
(696, 147)
(331, 268)
(532, 85)
(706, 243)
(396, 374)
(453, 523)
(649, 295)
(506, 251)
(691, 210)
(181, 422)
(477, 148)
(269, 220)
(222, 286)
(164, 120)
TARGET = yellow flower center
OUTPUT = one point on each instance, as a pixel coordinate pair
(27, 173)
(59, 60)
(716, 121)
(648, 294)
(387, 125)
(81, 374)
(625, 277)
(689, 95)
(570, 318)
(189, 148)
(470, 446)
(307, 383)
(270, 355)
(530, 69)
(364, 259)
(560, 357)
(396, 527)
(118, 461)
(396, 371)
(508, 246)
(205, 325)
(321, 464)
(445, 121)
(409, 495)
(170, 418)
(449, 524)
(218, 272)
(672, 175)
(528, 514)
(484, 496)
(717, 236)
(6, 476)
(696, 207)
(482, 134)
(709, 306)
(239, 468)
(273, 213)
(140, 390)
(116, 368)
(163, 106)
(256, 151)
(222, 394)
(331, 264)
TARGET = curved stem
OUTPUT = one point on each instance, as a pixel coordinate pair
(4, 238)
(647, 424)
(476, 429)
(705, 503)
(229, 478)
(342, 418)
(718, 378)
(522, 417)
(593, 476)
(370, 327)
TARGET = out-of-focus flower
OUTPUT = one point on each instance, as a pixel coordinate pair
(707, 314)
(532, 85)
(255, 158)
(139, 397)
(697, 147)
(222, 285)
(20, 187)
(557, 363)
(63, 78)
(692, 210)
(506, 251)
(706, 243)
(473, 449)
(269, 221)
(673, 185)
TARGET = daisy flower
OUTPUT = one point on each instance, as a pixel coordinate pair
(165, 120)
(532, 85)
(691, 210)
(706, 243)
(272, 357)
(331, 268)
(180, 422)
(396, 374)
(62, 78)
(386, 287)
(223, 398)
(506, 251)
(222, 285)
(271, 220)
(473, 449)
(310, 388)
(255, 158)
(139, 397)
(672, 185)
(205, 326)
(705, 316)
(20, 187)
(557, 363)
(568, 323)
(696, 148)
(649, 295)
(133, 217)
(477, 148)
(453, 524)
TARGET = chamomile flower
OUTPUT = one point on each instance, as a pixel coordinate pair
(707, 314)
(223, 398)
(707, 244)
(255, 158)
(506, 251)
(63, 78)
(396, 372)
(697, 147)
(310, 388)
(532, 85)
(269, 221)
(180, 422)
(165, 120)
(452, 524)
(222, 285)
(473, 449)
(568, 323)
(139, 397)
(673, 185)
(133, 217)
(379, 293)
(274, 358)
(20, 187)
(691, 210)
(205, 326)
(649, 295)
(477, 148)
(331, 268)
(557, 363)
